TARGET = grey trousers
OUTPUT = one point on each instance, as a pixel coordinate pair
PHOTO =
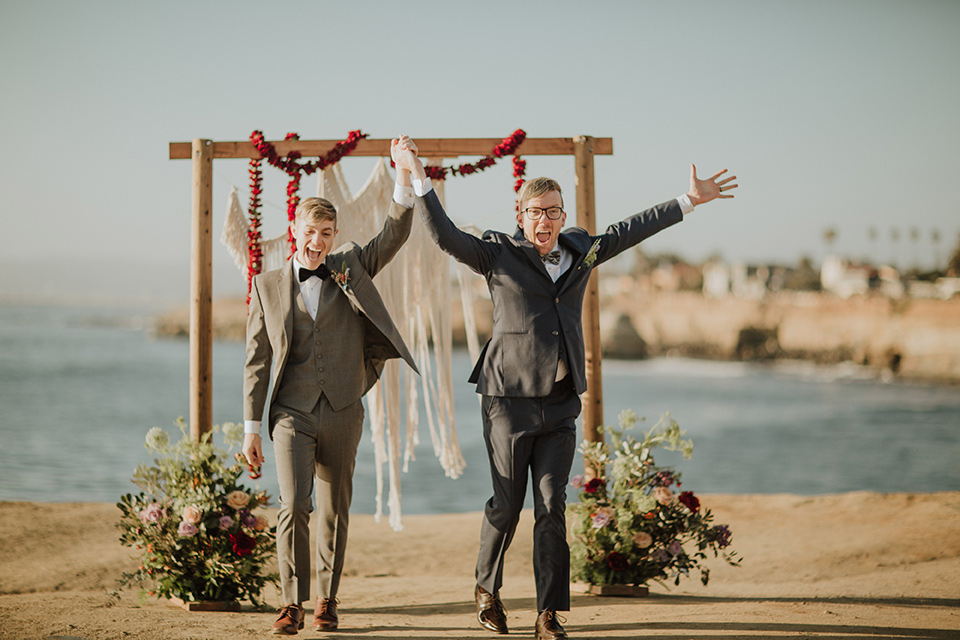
(319, 448)
(539, 435)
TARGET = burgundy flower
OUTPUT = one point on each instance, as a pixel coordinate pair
(689, 500)
(618, 562)
(242, 544)
(593, 485)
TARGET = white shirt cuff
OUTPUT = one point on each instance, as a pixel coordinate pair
(685, 205)
(422, 187)
(404, 196)
(251, 426)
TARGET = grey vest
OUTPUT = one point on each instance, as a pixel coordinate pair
(306, 376)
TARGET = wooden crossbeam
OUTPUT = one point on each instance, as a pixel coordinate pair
(429, 148)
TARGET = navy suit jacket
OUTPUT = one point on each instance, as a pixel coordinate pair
(535, 318)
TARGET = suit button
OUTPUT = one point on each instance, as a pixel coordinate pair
(556, 333)
(557, 300)
(319, 356)
(323, 382)
(320, 369)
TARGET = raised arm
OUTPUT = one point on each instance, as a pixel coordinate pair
(464, 247)
(381, 249)
(629, 232)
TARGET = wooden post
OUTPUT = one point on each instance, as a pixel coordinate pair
(201, 291)
(586, 218)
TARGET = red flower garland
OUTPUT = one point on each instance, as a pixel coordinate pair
(254, 250)
(292, 168)
(295, 170)
(507, 147)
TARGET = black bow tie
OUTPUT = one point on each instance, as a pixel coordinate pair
(553, 257)
(321, 272)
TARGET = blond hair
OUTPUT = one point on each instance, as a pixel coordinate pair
(537, 187)
(315, 210)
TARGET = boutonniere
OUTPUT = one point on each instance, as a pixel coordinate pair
(591, 256)
(342, 277)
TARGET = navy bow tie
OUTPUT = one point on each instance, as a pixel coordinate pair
(553, 257)
(321, 272)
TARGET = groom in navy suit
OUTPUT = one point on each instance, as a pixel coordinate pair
(532, 371)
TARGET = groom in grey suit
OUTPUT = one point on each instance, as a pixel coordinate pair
(531, 372)
(318, 334)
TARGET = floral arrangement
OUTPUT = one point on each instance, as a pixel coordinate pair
(631, 526)
(194, 524)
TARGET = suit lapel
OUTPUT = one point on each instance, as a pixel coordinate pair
(578, 254)
(527, 248)
(286, 285)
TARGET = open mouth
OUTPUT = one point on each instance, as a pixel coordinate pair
(312, 254)
(543, 237)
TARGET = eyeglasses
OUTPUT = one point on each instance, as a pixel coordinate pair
(534, 213)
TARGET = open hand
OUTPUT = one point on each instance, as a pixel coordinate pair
(706, 190)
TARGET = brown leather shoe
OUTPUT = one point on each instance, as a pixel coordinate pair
(490, 612)
(290, 620)
(548, 626)
(325, 614)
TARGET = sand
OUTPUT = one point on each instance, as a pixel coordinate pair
(848, 566)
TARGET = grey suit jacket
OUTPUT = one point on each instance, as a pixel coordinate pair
(363, 325)
(531, 313)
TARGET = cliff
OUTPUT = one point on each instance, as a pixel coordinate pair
(912, 338)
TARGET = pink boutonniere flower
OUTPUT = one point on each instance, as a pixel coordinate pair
(342, 277)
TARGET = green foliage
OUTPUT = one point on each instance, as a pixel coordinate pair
(193, 522)
(631, 527)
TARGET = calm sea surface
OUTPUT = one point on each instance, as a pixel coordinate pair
(79, 388)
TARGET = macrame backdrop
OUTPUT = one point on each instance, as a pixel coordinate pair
(415, 287)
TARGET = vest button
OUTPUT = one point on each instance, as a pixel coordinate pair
(557, 300)
(556, 333)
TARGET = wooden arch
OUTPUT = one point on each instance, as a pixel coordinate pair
(202, 152)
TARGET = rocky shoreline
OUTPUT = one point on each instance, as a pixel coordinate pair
(910, 339)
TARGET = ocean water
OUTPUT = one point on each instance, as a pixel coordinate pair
(79, 388)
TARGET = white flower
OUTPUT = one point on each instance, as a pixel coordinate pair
(157, 439)
(642, 539)
(663, 495)
(192, 514)
(237, 499)
(232, 432)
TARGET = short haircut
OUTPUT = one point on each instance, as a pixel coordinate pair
(538, 187)
(315, 210)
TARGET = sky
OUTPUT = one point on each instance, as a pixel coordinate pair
(838, 114)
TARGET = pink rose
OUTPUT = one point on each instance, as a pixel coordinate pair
(187, 530)
(663, 495)
(577, 481)
(261, 524)
(153, 513)
(237, 499)
(601, 518)
(675, 549)
(226, 522)
(192, 515)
